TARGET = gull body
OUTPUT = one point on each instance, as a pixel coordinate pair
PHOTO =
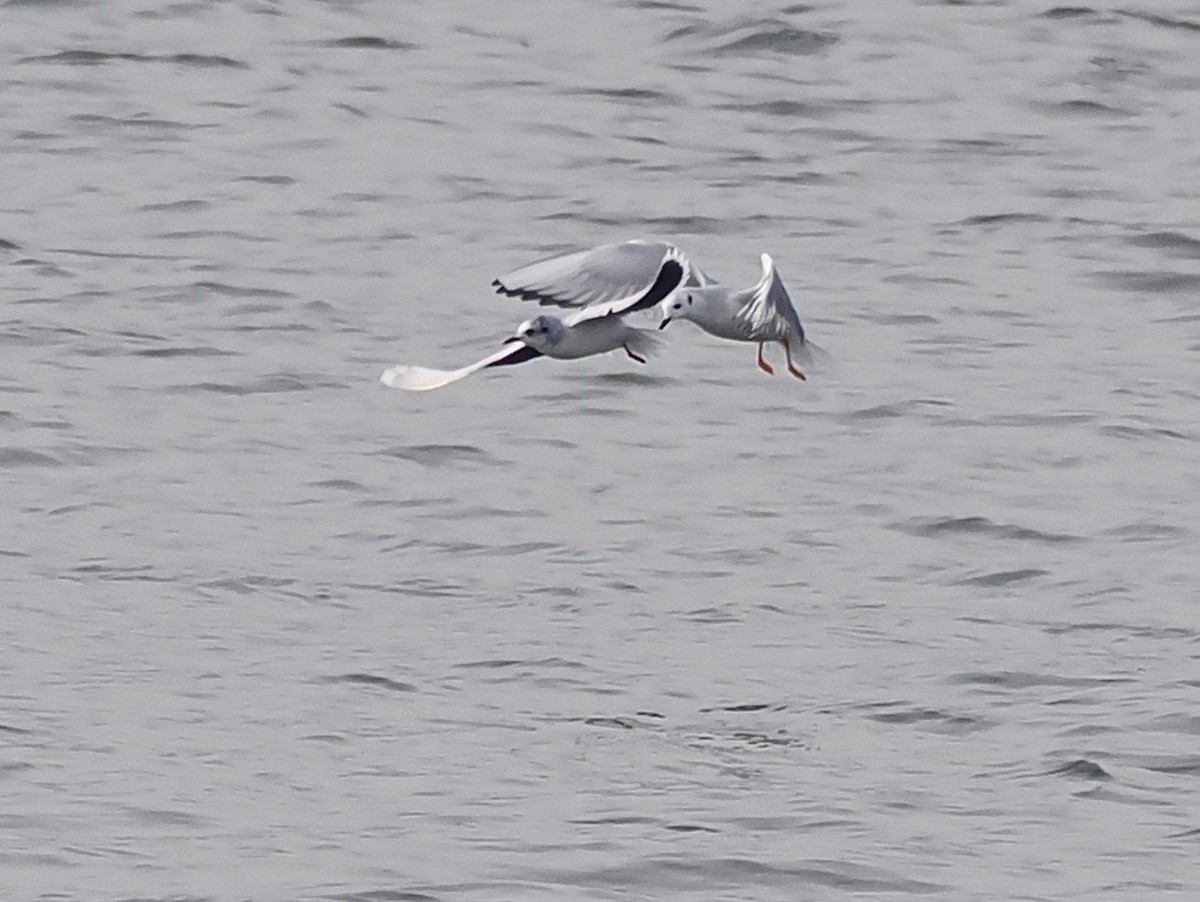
(762, 313)
(563, 340)
(600, 286)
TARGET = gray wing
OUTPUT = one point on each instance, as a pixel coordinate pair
(614, 278)
(771, 312)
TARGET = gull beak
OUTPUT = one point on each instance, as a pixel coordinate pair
(663, 324)
(509, 341)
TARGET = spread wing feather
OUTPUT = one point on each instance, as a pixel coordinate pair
(771, 311)
(606, 280)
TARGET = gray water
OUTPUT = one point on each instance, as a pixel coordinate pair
(926, 625)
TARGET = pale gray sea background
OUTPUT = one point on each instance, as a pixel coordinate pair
(927, 625)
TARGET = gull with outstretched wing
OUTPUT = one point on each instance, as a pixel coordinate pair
(760, 314)
(599, 286)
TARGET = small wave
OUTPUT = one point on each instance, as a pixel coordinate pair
(267, 179)
(1083, 108)
(1080, 768)
(24, 457)
(931, 719)
(1140, 432)
(627, 95)
(371, 679)
(241, 291)
(989, 219)
(1162, 21)
(894, 409)
(263, 385)
(417, 587)
(1071, 12)
(193, 234)
(98, 58)
(250, 584)
(197, 351)
(722, 614)
(387, 895)
(772, 36)
(441, 455)
(1017, 679)
(788, 109)
(1151, 282)
(1187, 765)
(368, 42)
(622, 723)
(176, 206)
(745, 707)
(658, 876)
(938, 526)
(1147, 532)
(1174, 243)
(1002, 577)
(685, 225)
(342, 485)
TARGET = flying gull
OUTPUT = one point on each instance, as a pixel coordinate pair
(759, 314)
(600, 286)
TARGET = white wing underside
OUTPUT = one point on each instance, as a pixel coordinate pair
(608, 280)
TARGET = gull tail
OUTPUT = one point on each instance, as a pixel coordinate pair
(813, 356)
(644, 343)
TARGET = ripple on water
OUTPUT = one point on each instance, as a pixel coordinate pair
(715, 876)
(270, 384)
(932, 719)
(442, 455)
(99, 58)
(754, 37)
(1175, 244)
(25, 457)
(1150, 281)
(936, 527)
(1017, 680)
(367, 42)
(373, 680)
(1080, 769)
(386, 895)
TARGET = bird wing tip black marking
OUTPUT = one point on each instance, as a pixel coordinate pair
(518, 355)
(530, 294)
(670, 276)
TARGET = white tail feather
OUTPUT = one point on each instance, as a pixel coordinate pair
(645, 343)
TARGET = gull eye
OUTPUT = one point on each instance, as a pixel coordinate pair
(678, 306)
(689, 298)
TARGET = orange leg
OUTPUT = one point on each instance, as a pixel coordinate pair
(791, 366)
(635, 356)
(762, 364)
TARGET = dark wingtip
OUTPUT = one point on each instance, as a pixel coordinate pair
(519, 355)
(528, 294)
(669, 277)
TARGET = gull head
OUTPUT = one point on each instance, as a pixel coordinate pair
(678, 306)
(541, 332)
